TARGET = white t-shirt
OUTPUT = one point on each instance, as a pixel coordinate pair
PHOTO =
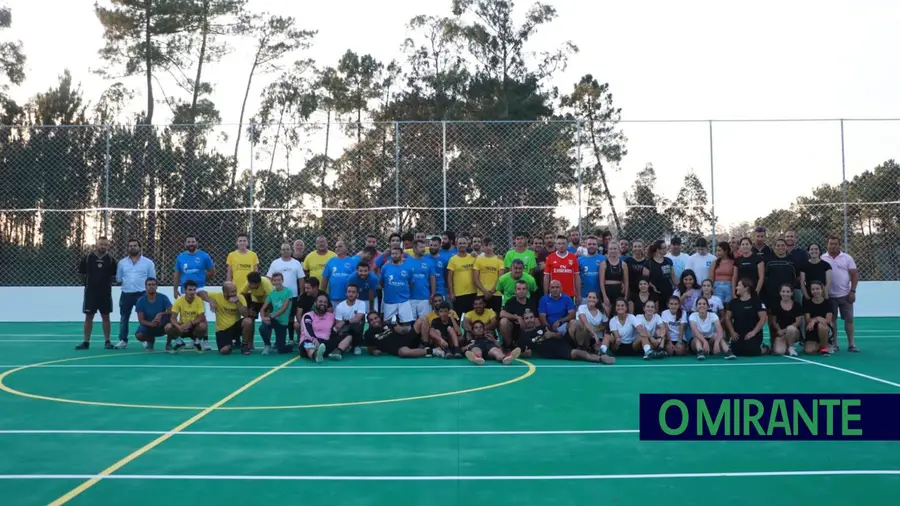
(650, 325)
(700, 265)
(674, 323)
(292, 270)
(715, 304)
(706, 327)
(626, 331)
(679, 262)
(344, 312)
(595, 320)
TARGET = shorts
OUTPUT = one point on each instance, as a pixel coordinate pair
(189, 334)
(97, 301)
(813, 335)
(632, 349)
(485, 345)
(403, 311)
(392, 343)
(230, 336)
(748, 347)
(420, 308)
(723, 290)
(464, 303)
(255, 308)
(843, 306)
(158, 331)
(495, 303)
(554, 349)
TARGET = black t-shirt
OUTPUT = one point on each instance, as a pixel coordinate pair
(748, 268)
(764, 254)
(815, 272)
(529, 335)
(639, 304)
(779, 271)
(99, 271)
(307, 302)
(635, 272)
(786, 317)
(661, 276)
(515, 307)
(744, 314)
(443, 328)
(799, 256)
(819, 310)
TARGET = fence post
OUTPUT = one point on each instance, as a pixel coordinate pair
(397, 174)
(579, 173)
(106, 188)
(250, 197)
(712, 186)
(444, 168)
(844, 190)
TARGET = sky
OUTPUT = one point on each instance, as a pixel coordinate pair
(688, 60)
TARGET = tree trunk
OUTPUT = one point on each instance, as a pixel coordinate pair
(596, 147)
(322, 188)
(148, 169)
(277, 136)
(237, 140)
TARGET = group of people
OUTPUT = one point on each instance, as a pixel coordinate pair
(452, 296)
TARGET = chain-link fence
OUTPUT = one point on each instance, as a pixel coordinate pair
(66, 186)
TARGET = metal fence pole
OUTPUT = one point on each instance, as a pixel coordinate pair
(712, 186)
(397, 175)
(578, 158)
(444, 169)
(844, 190)
(250, 197)
(106, 189)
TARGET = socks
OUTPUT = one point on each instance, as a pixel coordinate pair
(603, 349)
(647, 348)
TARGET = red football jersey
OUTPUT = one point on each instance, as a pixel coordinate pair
(563, 269)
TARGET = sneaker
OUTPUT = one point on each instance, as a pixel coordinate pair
(198, 346)
(474, 359)
(835, 348)
(513, 355)
(148, 345)
(437, 352)
(179, 344)
(606, 359)
(792, 352)
(357, 350)
(661, 354)
(206, 346)
(824, 352)
(648, 355)
(109, 346)
(730, 355)
(122, 344)
(336, 355)
(83, 346)
(429, 352)
(701, 357)
(320, 353)
(853, 349)
(267, 349)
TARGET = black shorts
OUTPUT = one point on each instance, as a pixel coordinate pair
(555, 349)
(231, 336)
(813, 335)
(485, 345)
(392, 343)
(464, 303)
(255, 308)
(495, 303)
(747, 347)
(97, 301)
(628, 350)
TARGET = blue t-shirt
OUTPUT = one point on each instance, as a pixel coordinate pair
(396, 279)
(370, 283)
(555, 309)
(422, 270)
(193, 266)
(151, 309)
(589, 268)
(439, 262)
(338, 271)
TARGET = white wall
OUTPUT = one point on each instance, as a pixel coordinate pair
(63, 304)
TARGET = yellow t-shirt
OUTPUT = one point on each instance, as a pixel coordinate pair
(315, 263)
(410, 252)
(461, 269)
(242, 264)
(187, 312)
(488, 270)
(484, 317)
(432, 315)
(227, 314)
(260, 293)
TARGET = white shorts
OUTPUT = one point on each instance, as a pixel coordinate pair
(420, 308)
(403, 311)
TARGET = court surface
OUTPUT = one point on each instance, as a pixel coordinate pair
(116, 427)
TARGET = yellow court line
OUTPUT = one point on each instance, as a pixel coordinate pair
(75, 492)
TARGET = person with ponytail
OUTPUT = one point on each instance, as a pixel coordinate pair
(745, 320)
(785, 322)
(707, 330)
(660, 271)
(675, 318)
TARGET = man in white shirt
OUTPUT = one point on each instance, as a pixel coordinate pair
(842, 292)
(292, 271)
(350, 318)
(132, 273)
(701, 260)
(679, 260)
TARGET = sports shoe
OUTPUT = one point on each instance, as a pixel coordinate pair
(701, 357)
(336, 355)
(357, 350)
(437, 352)
(122, 344)
(198, 346)
(148, 345)
(648, 355)
(320, 353)
(83, 346)
(792, 352)
(267, 349)
(824, 352)
(109, 346)
(206, 346)
(853, 349)
(835, 348)
(730, 355)
(513, 355)
(179, 344)
(474, 359)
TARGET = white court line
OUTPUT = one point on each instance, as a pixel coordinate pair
(863, 333)
(207, 477)
(848, 371)
(463, 366)
(329, 434)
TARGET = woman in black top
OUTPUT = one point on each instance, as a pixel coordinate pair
(785, 321)
(748, 266)
(660, 271)
(641, 297)
(745, 319)
(819, 320)
(815, 269)
(613, 279)
(636, 264)
(780, 270)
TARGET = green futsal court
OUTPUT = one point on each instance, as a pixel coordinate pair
(130, 427)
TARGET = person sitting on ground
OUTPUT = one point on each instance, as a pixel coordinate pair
(785, 319)
(153, 314)
(317, 337)
(534, 340)
(556, 310)
(189, 322)
(485, 345)
(707, 330)
(590, 324)
(444, 335)
(275, 316)
(399, 341)
(422, 326)
(349, 318)
(652, 330)
(623, 337)
(675, 318)
(819, 321)
(234, 327)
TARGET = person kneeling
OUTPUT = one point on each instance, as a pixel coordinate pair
(483, 346)
(819, 321)
(399, 341)
(444, 334)
(317, 336)
(275, 315)
(188, 320)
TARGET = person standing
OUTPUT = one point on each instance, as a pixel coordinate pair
(842, 293)
(299, 250)
(132, 273)
(562, 266)
(520, 251)
(192, 264)
(485, 273)
(291, 271)
(700, 261)
(97, 270)
(241, 262)
(679, 260)
(460, 287)
(315, 261)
